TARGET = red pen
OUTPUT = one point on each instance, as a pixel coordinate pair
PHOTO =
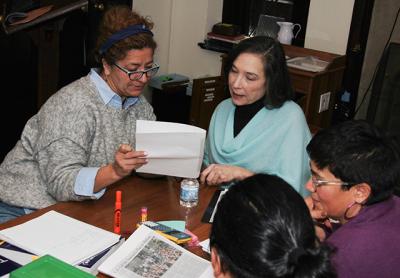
(117, 212)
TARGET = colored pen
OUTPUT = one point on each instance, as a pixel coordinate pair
(143, 214)
(117, 212)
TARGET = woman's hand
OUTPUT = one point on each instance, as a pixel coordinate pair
(319, 216)
(218, 173)
(126, 160)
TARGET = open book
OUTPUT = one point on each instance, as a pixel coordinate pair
(63, 237)
(148, 254)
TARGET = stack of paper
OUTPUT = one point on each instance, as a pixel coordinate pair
(308, 63)
(173, 149)
(205, 245)
(61, 236)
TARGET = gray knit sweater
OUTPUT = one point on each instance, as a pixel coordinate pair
(73, 129)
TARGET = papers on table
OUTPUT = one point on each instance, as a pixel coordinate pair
(216, 205)
(209, 214)
(61, 236)
(205, 245)
(148, 254)
(173, 149)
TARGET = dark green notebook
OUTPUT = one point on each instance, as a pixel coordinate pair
(48, 267)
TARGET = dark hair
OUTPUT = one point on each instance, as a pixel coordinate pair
(115, 19)
(278, 85)
(356, 151)
(263, 228)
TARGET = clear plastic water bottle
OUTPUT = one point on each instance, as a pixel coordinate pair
(189, 193)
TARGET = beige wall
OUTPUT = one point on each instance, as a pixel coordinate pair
(179, 26)
(328, 25)
(383, 17)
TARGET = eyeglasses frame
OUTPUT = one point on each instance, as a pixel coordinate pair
(141, 72)
(318, 182)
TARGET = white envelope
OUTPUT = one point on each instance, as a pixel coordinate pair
(173, 149)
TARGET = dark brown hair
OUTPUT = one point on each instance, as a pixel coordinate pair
(115, 19)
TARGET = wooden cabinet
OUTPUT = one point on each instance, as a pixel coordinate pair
(311, 85)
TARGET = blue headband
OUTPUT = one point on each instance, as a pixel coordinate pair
(122, 34)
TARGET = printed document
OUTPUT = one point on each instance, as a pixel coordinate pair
(61, 236)
(148, 254)
(173, 149)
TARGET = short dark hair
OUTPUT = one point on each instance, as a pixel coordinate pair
(278, 85)
(263, 228)
(356, 151)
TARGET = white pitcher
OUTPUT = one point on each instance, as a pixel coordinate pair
(285, 34)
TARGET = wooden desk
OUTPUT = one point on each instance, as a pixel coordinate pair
(160, 196)
(313, 84)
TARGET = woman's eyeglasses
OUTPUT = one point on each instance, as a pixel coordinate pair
(137, 74)
(318, 182)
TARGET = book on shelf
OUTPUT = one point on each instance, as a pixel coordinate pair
(217, 45)
(148, 254)
(225, 38)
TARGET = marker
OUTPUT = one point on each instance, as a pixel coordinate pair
(143, 214)
(117, 212)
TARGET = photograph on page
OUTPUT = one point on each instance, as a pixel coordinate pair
(147, 254)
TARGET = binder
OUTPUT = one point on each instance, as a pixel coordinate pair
(7, 265)
(48, 267)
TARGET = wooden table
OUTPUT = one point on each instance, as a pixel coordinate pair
(160, 196)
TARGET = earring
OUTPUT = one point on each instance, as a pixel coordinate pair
(348, 208)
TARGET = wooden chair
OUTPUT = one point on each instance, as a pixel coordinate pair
(207, 93)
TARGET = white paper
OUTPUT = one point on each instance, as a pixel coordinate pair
(61, 236)
(173, 149)
(205, 245)
(221, 194)
(148, 254)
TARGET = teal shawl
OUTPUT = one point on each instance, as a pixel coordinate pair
(273, 142)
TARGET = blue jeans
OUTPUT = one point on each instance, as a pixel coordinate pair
(8, 212)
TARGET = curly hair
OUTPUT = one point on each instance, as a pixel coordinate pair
(115, 19)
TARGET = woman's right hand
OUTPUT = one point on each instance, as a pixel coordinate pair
(127, 159)
(216, 174)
